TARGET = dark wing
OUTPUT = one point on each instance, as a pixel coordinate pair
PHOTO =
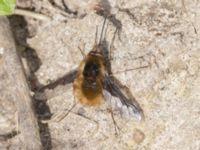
(66, 79)
(122, 98)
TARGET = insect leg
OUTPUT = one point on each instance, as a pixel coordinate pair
(117, 129)
(60, 115)
(82, 51)
(126, 70)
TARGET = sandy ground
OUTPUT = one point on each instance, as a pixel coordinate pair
(163, 35)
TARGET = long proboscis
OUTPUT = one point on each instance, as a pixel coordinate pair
(101, 35)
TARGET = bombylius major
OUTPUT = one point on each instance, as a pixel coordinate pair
(94, 82)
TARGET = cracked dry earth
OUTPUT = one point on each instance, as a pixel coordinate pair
(161, 35)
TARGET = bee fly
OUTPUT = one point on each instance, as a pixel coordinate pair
(88, 85)
(93, 82)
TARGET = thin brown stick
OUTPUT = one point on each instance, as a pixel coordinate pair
(28, 127)
(185, 10)
(31, 14)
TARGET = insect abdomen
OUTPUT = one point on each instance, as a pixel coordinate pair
(88, 85)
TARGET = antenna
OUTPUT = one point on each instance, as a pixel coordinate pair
(96, 34)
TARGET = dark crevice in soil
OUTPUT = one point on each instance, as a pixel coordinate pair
(9, 135)
(21, 33)
(64, 7)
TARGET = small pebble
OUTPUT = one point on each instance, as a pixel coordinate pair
(138, 136)
(1, 52)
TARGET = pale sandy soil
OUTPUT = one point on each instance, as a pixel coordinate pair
(161, 34)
